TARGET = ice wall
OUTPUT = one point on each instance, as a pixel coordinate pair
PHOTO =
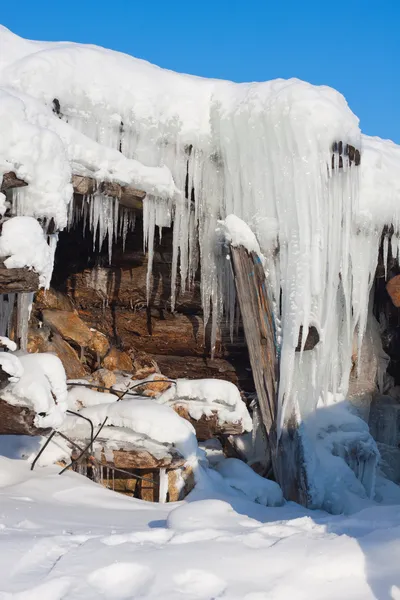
(260, 151)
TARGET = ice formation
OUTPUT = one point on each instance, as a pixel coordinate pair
(215, 150)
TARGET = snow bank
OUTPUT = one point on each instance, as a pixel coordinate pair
(208, 396)
(346, 457)
(24, 244)
(242, 477)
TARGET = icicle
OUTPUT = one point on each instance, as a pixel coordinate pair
(163, 488)
(385, 254)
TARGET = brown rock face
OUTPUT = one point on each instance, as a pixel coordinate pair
(143, 365)
(393, 289)
(104, 377)
(154, 388)
(99, 344)
(38, 341)
(116, 360)
(69, 326)
(69, 358)
(53, 300)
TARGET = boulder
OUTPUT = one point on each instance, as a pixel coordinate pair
(69, 326)
(117, 360)
(99, 344)
(152, 389)
(39, 341)
(104, 377)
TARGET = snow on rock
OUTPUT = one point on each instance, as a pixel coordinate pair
(206, 396)
(83, 397)
(7, 343)
(19, 236)
(242, 477)
(41, 386)
(146, 418)
(11, 365)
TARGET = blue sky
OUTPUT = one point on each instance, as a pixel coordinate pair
(353, 46)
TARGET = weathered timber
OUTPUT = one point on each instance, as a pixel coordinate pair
(340, 150)
(208, 427)
(127, 195)
(141, 459)
(17, 280)
(196, 367)
(287, 453)
(18, 420)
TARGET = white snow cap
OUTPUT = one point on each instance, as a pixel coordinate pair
(208, 396)
(24, 244)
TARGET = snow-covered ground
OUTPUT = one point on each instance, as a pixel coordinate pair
(64, 537)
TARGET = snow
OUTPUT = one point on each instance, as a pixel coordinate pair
(41, 385)
(257, 157)
(11, 365)
(144, 417)
(18, 237)
(238, 233)
(7, 343)
(208, 396)
(66, 537)
(242, 477)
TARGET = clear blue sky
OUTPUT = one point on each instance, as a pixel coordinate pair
(353, 46)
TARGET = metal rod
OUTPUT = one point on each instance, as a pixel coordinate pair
(43, 448)
(85, 449)
(71, 412)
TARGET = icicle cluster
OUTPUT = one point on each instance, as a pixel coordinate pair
(104, 217)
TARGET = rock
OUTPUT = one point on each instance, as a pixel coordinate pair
(152, 389)
(69, 326)
(39, 341)
(180, 483)
(69, 358)
(393, 289)
(54, 300)
(117, 360)
(99, 344)
(143, 365)
(208, 426)
(104, 377)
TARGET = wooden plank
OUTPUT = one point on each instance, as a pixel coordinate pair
(128, 196)
(18, 420)
(17, 280)
(287, 453)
